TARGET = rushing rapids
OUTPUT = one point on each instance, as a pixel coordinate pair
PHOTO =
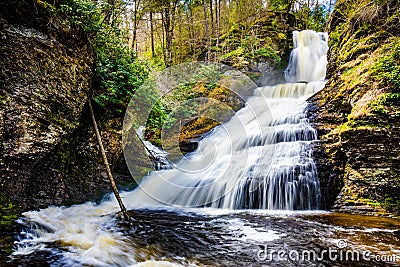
(269, 167)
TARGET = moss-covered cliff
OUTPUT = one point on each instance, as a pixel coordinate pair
(358, 113)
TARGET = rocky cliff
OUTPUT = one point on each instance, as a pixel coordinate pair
(49, 153)
(358, 113)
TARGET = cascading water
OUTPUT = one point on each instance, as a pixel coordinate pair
(308, 59)
(159, 155)
(270, 167)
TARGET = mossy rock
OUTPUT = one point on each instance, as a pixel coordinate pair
(357, 113)
(9, 213)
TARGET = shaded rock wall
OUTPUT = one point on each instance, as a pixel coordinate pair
(49, 152)
(357, 115)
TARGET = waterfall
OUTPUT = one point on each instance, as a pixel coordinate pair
(308, 58)
(271, 165)
(260, 159)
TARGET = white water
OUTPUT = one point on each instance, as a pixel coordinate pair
(308, 59)
(156, 152)
(261, 158)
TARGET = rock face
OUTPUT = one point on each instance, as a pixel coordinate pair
(357, 115)
(49, 153)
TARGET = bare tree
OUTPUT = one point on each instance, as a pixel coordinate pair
(152, 33)
(107, 165)
(168, 16)
(217, 19)
(136, 18)
(207, 31)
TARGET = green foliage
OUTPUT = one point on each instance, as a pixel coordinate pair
(391, 203)
(118, 72)
(156, 60)
(171, 106)
(235, 58)
(249, 47)
(385, 103)
(8, 211)
(156, 120)
(280, 5)
(85, 13)
(269, 53)
(388, 66)
(389, 99)
(317, 19)
(118, 78)
(207, 73)
(145, 99)
(235, 53)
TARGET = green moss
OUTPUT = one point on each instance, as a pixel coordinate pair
(3, 98)
(8, 215)
(58, 119)
(265, 52)
(389, 99)
(386, 104)
(387, 68)
(9, 212)
(235, 58)
(367, 201)
(264, 40)
(355, 46)
(391, 203)
(49, 8)
(367, 63)
(367, 59)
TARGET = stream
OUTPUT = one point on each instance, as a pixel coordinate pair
(216, 237)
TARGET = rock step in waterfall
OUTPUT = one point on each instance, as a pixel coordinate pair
(261, 158)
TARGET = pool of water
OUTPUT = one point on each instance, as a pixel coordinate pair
(212, 237)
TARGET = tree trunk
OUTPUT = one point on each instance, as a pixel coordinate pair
(163, 36)
(109, 174)
(207, 31)
(308, 13)
(136, 18)
(212, 19)
(152, 34)
(192, 35)
(110, 9)
(134, 25)
(217, 20)
(168, 37)
(169, 25)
